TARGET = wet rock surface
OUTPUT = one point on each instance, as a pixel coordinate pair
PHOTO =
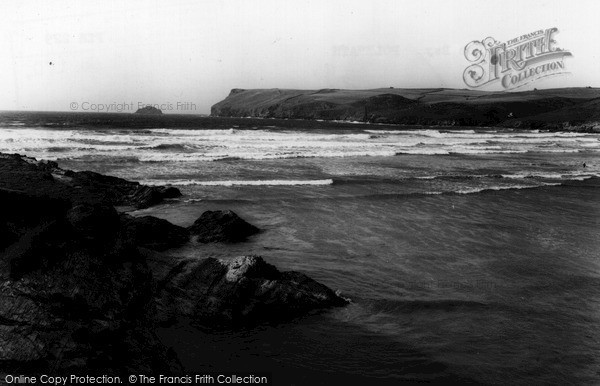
(76, 295)
(221, 226)
(153, 233)
(45, 178)
(147, 196)
(83, 288)
(243, 291)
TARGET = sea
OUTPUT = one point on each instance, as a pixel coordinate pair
(471, 255)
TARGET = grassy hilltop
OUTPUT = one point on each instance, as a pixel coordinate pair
(555, 109)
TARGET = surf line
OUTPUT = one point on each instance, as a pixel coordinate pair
(239, 182)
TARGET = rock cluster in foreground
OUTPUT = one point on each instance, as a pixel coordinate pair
(241, 291)
(46, 178)
(83, 288)
(221, 226)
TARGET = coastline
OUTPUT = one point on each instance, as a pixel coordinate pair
(313, 193)
(84, 288)
(568, 109)
(249, 122)
(384, 261)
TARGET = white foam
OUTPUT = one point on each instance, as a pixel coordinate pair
(424, 151)
(507, 187)
(238, 182)
(551, 176)
(517, 176)
(181, 145)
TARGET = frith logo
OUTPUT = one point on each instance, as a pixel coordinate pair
(515, 63)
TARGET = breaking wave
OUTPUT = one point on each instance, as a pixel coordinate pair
(527, 175)
(238, 182)
(179, 145)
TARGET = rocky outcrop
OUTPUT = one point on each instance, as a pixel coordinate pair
(26, 174)
(14, 221)
(148, 110)
(76, 295)
(153, 233)
(83, 289)
(211, 227)
(221, 226)
(147, 196)
(242, 291)
(554, 109)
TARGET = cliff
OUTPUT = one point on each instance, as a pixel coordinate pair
(558, 109)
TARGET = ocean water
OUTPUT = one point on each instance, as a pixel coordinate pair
(470, 255)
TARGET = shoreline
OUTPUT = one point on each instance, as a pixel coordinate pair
(199, 122)
(86, 288)
(570, 109)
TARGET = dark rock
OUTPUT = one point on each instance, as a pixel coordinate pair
(94, 222)
(40, 247)
(82, 291)
(148, 110)
(242, 291)
(169, 191)
(147, 196)
(75, 297)
(153, 233)
(20, 211)
(221, 226)
(31, 176)
(8, 235)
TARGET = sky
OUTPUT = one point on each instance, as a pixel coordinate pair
(187, 55)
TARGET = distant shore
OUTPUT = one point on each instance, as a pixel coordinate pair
(68, 119)
(567, 109)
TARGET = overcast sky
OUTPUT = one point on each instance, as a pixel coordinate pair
(160, 52)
